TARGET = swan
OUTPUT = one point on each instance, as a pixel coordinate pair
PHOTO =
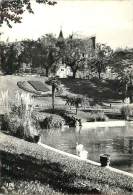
(79, 148)
(83, 154)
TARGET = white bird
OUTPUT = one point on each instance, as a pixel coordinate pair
(83, 154)
(79, 148)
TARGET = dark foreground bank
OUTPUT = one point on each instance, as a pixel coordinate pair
(62, 173)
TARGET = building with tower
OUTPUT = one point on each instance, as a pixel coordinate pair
(65, 71)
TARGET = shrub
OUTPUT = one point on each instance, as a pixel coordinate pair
(51, 122)
(4, 122)
(12, 124)
(75, 101)
(126, 111)
(97, 116)
(20, 122)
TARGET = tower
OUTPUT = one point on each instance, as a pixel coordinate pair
(60, 40)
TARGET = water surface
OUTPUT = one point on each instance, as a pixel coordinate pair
(116, 141)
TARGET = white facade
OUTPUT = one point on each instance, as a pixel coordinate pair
(64, 71)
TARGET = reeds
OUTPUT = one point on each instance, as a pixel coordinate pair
(25, 104)
(19, 114)
(4, 96)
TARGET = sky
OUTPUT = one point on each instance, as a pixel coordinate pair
(110, 20)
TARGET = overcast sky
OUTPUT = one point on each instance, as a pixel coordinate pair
(110, 20)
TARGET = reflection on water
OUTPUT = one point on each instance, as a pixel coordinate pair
(116, 141)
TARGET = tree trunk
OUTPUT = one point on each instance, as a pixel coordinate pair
(74, 74)
(53, 96)
(47, 72)
(131, 99)
(76, 110)
(99, 75)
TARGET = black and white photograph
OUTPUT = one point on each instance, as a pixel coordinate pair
(66, 97)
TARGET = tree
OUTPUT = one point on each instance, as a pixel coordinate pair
(55, 83)
(12, 10)
(27, 52)
(49, 53)
(75, 101)
(3, 48)
(101, 58)
(9, 58)
(74, 55)
(122, 66)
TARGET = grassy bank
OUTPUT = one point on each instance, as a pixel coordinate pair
(95, 89)
(63, 173)
(14, 186)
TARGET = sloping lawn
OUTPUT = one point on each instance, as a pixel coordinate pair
(61, 172)
(95, 89)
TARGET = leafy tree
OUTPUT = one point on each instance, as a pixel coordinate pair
(9, 58)
(12, 10)
(101, 58)
(29, 53)
(49, 53)
(74, 55)
(74, 101)
(3, 48)
(122, 66)
(26, 55)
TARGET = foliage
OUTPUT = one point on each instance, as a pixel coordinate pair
(13, 125)
(122, 65)
(127, 111)
(48, 53)
(100, 60)
(19, 121)
(51, 122)
(9, 57)
(28, 52)
(74, 54)
(96, 116)
(12, 11)
(75, 101)
(5, 101)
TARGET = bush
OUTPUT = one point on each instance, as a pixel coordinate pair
(51, 122)
(4, 122)
(12, 125)
(69, 118)
(17, 127)
(127, 111)
(97, 116)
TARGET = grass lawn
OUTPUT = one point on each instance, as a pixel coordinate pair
(13, 186)
(101, 93)
(9, 82)
(97, 90)
(61, 172)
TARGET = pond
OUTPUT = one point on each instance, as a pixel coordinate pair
(116, 141)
